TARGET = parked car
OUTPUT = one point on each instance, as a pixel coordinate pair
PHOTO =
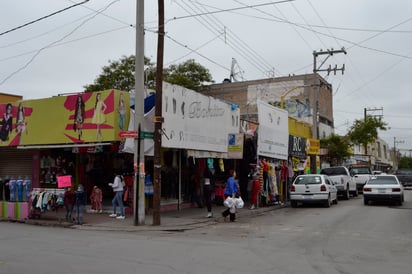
(383, 188)
(404, 176)
(313, 188)
(342, 180)
(361, 174)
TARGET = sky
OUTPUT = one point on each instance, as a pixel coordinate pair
(51, 47)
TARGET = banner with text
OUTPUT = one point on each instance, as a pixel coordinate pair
(196, 121)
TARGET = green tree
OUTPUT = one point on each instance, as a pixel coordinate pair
(120, 75)
(188, 74)
(339, 148)
(405, 162)
(365, 131)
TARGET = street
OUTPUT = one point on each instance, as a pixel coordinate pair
(346, 238)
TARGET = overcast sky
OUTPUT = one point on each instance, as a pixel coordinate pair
(64, 52)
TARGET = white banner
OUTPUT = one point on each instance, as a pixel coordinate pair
(195, 121)
(273, 132)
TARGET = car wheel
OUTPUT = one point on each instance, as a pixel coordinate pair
(346, 197)
(336, 200)
(293, 203)
(355, 193)
(365, 202)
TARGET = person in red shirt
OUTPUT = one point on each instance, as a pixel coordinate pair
(68, 203)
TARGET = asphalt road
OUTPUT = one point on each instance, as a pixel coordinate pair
(346, 238)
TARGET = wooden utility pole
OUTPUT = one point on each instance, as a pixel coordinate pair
(158, 119)
(315, 104)
(365, 114)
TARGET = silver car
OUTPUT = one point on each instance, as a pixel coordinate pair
(383, 188)
(313, 188)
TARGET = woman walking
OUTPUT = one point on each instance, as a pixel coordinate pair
(232, 190)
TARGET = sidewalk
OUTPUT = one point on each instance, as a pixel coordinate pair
(176, 220)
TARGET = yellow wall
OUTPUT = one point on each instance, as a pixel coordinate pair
(51, 120)
(299, 129)
(9, 98)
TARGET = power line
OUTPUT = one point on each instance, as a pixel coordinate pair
(237, 46)
(44, 17)
(53, 43)
(65, 43)
(231, 9)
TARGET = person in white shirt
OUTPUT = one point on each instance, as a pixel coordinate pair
(118, 186)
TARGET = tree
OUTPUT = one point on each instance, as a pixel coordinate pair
(188, 74)
(339, 148)
(365, 131)
(405, 162)
(120, 75)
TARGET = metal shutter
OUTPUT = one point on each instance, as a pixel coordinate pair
(15, 162)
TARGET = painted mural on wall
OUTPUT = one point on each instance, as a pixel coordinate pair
(73, 119)
(295, 102)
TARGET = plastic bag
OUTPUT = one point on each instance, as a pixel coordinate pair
(239, 202)
(229, 202)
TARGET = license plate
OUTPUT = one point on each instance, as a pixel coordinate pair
(381, 191)
(307, 196)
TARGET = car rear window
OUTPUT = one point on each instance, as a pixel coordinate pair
(308, 180)
(333, 171)
(360, 170)
(404, 172)
(382, 180)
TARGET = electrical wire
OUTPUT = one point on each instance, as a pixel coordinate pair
(236, 44)
(194, 51)
(55, 42)
(42, 18)
(65, 43)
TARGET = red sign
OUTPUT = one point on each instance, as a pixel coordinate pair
(128, 134)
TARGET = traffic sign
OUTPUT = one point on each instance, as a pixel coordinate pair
(128, 134)
(146, 135)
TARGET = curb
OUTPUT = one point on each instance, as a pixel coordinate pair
(188, 223)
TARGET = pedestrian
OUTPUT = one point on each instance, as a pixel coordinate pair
(68, 202)
(208, 188)
(195, 184)
(118, 186)
(80, 202)
(96, 199)
(232, 190)
(255, 191)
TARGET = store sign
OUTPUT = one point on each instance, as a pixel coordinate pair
(195, 121)
(235, 149)
(313, 147)
(297, 147)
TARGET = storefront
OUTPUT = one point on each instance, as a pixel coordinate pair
(74, 135)
(272, 151)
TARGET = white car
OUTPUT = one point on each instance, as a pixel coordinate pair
(313, 188)
(344, 183)
(383, 188)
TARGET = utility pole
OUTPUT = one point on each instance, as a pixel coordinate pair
(365, 114)
(395, 153)
(158, 119)
(139, 172)
(315, 104)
